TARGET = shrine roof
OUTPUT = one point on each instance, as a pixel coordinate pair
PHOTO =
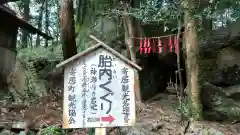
(6, 1)
(10, 16)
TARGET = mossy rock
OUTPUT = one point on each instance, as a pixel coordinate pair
(217, 105)
(7, 132)
(211, 131)
(235, 96)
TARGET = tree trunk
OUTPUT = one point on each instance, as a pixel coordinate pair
(67, 29)
(39, 23)
(130, 32)
(58, 24)
(46, 21)
(26, 17)
(30, 41)
(179, 72)
(192, 62)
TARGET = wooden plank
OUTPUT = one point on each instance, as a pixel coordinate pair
(93, 48)
(83, 53)
(117, 54)
(100, 131)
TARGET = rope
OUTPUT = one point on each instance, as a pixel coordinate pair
(155, 37)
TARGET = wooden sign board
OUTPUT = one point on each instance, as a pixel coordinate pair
(98, 91)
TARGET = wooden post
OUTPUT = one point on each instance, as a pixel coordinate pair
(100, 131)
(137, 87)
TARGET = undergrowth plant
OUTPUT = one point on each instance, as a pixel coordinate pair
(51, 130)
(183, 108)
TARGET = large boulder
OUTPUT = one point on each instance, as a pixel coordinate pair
(24, 82)
(221, 67)
(218, 105)
(233, 92)
(228, 76)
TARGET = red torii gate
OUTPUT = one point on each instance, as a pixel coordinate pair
(164, 44)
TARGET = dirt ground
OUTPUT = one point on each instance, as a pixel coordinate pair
(156, 117)
(163, 119)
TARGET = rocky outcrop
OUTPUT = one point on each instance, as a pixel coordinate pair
(218, 103)
(24, 84)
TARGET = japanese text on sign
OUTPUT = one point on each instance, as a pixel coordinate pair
(93, 80)
(84, 91)
(72, 96)
(105, 64)
(125, 96)
(98, 92)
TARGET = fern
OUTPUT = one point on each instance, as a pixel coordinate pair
(52, 130)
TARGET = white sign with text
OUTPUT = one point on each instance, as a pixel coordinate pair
(98, 92)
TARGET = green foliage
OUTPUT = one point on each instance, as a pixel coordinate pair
(88, 11)
(183, 108)
(82, 6)
(97, 20)
(22, 133)
(168, 12)
(91, 131)
(31, 57)
(52, 130)
(36, 63)
(52, 53)
(156, 11)
(226, 107)
(28, 133)
(82, 39)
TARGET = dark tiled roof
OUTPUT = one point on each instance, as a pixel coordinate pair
(6, 1)
(10, 16)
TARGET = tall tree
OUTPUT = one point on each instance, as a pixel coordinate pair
(57, 21)
(26, 17)
(207, 16)
(39, 21)
(130, 31)
(46, 21)
(67, 29)
(192, 60)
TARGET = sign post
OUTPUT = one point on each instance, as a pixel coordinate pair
(100, 131)
(98, 89)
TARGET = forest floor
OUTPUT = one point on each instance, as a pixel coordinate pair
(160, 117)
(156, 117)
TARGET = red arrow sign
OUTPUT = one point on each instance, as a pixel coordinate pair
(108, 119)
